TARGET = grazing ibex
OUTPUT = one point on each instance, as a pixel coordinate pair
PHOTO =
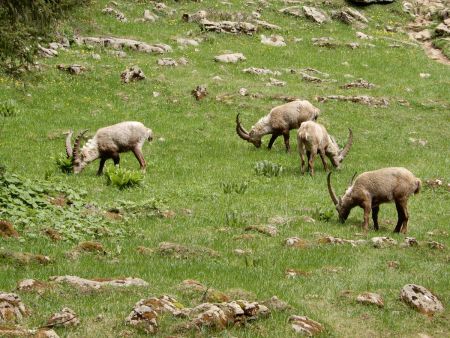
(313, 138)
(107, 143)
(373, 188)
(279, 121)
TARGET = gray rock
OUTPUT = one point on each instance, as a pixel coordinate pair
(305, 326)
(421, 299)
(11, 308)
(315, 15)
(132, 74)
(368, 2)
(230, 58)
(370, 298)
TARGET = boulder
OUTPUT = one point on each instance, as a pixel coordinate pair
(370, 298)
(421, 299)
(11, 308)
(233, 27)
(305, 326)
(98, 283)
(66, 317)
(349, 16)
(315, 14)
(230, 58)
(133, 73)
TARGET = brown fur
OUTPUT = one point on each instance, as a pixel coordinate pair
(280, 121)
(373, 188)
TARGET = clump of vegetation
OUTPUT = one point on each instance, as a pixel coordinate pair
(8, 108)
(146, 208)
(24, 24)
(268, 168)
(234, 218)
(34, 205)
(123, 178)
(323, 214)
(230, 187)
(64, 163)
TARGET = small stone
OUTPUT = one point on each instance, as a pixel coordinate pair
(273, 40)
(370, 298)
(156, 94)
(421, 299)
(382, 242)
(315, 14)
(305, 326)
(96, 56)
(276, 82)
(242, 252)
(199, 93)
(66, 317)
(294, 273)
(269, 230)
(230, 58)
(276, 304)
(393, 264)
(243, 91)
(424, 75)
(436, 245)
(410, 241)
(296, 242)
(133, 73)
(11, 308)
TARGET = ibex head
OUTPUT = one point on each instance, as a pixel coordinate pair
(251, 137)
(344, 204)
(77, 158)
(337, 154)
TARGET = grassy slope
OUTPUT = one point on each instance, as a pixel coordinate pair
(201, 150)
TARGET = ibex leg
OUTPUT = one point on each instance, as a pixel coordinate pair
(100, 167)
(140, 157)
(375, 211)
(402, 216)
(323, 158)
(272, 140)
(286, 141)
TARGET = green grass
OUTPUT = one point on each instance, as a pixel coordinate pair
(196, 158)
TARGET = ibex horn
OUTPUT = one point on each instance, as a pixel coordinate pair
(347, 147)
(353, 177)
(69, 150)
(243, 134)
(331, 191)
(76, 147)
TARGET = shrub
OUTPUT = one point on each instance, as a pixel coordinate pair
(64, 163)
(123, 178)
(229, 187)
(268, 168)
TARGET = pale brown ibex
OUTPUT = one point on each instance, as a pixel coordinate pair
(107, 143)
(313, 139)
(373, 188)
(279, 121)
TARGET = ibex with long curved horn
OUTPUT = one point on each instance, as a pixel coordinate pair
(313, 139)
(373, 188)
(107, 143)
(279, 121)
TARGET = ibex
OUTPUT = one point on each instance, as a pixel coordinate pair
(373, 188)
(107, 143)
(313, 139)
(279, 121)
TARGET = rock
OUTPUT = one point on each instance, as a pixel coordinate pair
(119, 53)
(187, 42)
(349, 16)
(98, 283)
(228, 27)
(266, 25)
(393, 264)
(32, 285)
(436, 245)
(167, 62)
(360, 83)
(276, 304)
(418, 141)
(294, 273)
(361, 35)
(325, 42)
(269, 230)
(24, 258)
(368, 2)
(121, 43)
(337, 240)
(276, 82)
(294, 11)
(114, 12)
(296, 242)
(11, 308)
(273, 40)
(370, 298)
(243, 91)
(352, 45)
(423, 35)
(195, 17)
(410, 241)
(309, 78)
(305, 326)
(424, 75)
(362, 99)
(149, 16)
(66, 317)
(230, 58)
(315, 14)
(382, 242)
(443, 29)
(242, 252)
(143, 317)
(7, 230)
(261, 71)
(199, 93)
(47, 52)
(72, 69)
(22, 332)
(133, 73)
(181, 251)
(421, 299)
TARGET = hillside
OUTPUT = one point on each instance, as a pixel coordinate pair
(209, 208)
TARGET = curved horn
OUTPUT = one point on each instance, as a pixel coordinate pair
(331, 191)
(76, 147)
(69, 150)
(243, 134)
(347, 147)
(353, 177)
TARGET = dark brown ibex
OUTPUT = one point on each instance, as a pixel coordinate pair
(373, 188)
(107, 143)
(313, 139)
(279, 121)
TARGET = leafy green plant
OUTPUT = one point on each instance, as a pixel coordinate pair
(8, 108)
(323, 214)
(268, 168)
(64, 163)
(230, 187)
(123, 178)
(234, 218)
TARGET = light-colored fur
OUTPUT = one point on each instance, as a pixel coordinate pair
(281, 120)
(313, 138)
(372, 188)
(109, 141)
